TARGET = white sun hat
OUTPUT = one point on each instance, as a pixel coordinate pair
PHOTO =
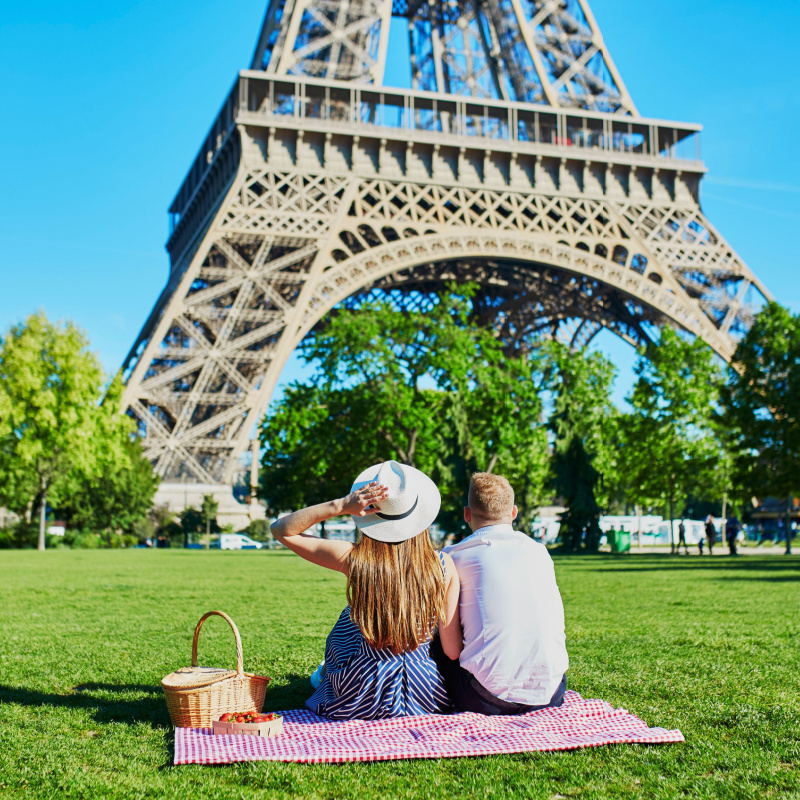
(411, 507)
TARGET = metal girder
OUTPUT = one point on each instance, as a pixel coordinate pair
(520, 303)
(538, 51)
(549, 262)
(335, 39)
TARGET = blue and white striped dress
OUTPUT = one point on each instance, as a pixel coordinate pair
(361, 682)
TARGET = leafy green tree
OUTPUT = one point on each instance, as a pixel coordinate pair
(671, 444)
(51, 421)
(497, 414)
(165, 523)
(113, 498)
(18, 483)
(430, 389)
(575, 478)
(762, 406)
(195, 521)
(208, 511)
(258, 529)
(191, 523)
(313, 440)
(144, 530)
(583, 422)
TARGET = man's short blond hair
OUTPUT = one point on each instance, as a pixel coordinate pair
(490, 496)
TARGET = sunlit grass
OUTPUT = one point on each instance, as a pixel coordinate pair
(710, 646)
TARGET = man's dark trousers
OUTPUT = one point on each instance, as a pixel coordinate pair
(467, 694)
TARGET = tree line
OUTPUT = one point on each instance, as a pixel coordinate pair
(68, 452)
(433, 389)
(64, 441)
(436, 390)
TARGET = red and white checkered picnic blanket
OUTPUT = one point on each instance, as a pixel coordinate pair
(310, 739)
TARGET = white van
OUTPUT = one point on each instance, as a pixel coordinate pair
(236, 541)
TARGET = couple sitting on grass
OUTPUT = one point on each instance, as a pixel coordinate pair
(478, 627)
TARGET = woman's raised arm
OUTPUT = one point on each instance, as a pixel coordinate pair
(290, 530)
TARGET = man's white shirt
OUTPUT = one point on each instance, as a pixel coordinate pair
(511, 614)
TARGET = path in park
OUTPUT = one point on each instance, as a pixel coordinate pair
(720, 550)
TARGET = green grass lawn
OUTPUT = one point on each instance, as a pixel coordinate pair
(710, 646)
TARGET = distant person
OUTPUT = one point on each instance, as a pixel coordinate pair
(514, 655)
(732, 534)
(700, 540)
(682, 538)
(711, 534)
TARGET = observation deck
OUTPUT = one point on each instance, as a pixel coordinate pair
(408, 117)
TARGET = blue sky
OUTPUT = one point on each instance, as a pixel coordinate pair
(105, 105)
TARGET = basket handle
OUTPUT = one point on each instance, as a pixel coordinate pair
(239, 652)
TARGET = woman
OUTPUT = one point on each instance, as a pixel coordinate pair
(377, 662)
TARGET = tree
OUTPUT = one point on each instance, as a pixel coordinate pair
(762, 406)
(114, 498)
(497, 414)
(429, 389)
(671, 447)
(116, 494)
(311, 441)
(164, 522)
(583, 422)
(208, 511)
(51, 421)
(191, 521)
(575, 478)
(259, 530)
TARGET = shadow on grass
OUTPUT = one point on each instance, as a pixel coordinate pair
(151, 710)
(763, 578)
(115, 687)
(293, 693)
(664, 563)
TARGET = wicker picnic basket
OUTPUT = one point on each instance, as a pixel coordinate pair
(196, 696)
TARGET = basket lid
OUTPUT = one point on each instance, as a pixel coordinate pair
(192, 677)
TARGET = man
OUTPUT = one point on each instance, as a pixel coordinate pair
(514, 656)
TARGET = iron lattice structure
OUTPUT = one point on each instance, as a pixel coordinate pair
(517, 161)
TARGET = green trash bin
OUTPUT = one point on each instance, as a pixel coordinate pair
(623, 542)
(611, 538)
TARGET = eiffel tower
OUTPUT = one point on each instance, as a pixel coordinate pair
(517, 161)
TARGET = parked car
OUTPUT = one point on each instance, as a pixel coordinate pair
(236, 541)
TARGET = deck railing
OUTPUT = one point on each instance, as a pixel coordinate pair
(259, 98)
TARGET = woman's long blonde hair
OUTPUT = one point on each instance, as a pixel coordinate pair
(396, 591)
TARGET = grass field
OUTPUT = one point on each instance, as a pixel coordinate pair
(710, 646)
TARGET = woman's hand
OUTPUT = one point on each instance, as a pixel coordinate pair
(290, 530)
(358, 503)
